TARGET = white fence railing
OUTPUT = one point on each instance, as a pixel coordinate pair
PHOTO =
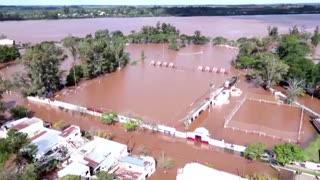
(123, 119)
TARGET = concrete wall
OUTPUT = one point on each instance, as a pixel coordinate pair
(161, 128)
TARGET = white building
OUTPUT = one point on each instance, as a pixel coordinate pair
(194, 171)
(75, 168)
(6, 42)
(99, 154)
(30, 126)
(134, 168)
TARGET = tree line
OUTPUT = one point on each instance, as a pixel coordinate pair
(283, 60)
(64, 12)
(103, 53)
(166, 33)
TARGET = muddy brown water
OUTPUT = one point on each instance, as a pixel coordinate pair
(164, 95)
(229, 26)
(156, 94)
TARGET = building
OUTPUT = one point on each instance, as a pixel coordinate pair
(99, 154)
(193, 171)
(7, 42)
(75, 168)
(46, 140)
(30, 126)
(134, 168)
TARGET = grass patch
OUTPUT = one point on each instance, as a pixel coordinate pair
(134, 63)
(312, 151)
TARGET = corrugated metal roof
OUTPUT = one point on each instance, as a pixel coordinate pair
(46, 141)
(133, 160)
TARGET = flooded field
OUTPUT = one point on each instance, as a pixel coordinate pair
(155, 94)
(274, 120)
(231, 27)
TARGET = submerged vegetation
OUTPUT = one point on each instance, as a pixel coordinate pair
(282, 59)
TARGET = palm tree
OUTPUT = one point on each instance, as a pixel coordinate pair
(294, 90)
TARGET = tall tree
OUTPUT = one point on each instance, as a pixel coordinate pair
(41, 62)
(316, 37)
(269, 69)
(72, 44)
(273, 31)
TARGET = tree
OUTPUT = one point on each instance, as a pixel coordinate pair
(71, 177)
(72, 44)
(198, 39)
(58, 125)
(269, 69)
(244, 62)
(117, 47)
(108, 118)
(130, 125)
(219, 40)
(165, 162)
(16, 140)
(287, 153)
(142, 56)
(254, 151)
(259, 177)
(41, 62)
(273, 31)
(8, 53)
(74, 76)
(294, 90)
(18, 112)
(102, 34)
(291, 45)
(315, 39)
(106, 176)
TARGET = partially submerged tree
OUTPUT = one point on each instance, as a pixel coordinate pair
(74, 76)
(18, 112)
(108, 118)
(254, 151)
(287, 153)
(294, 90)
(41, 62)
(72, 44)
(131, 125)
(165, 162)
(269, 69)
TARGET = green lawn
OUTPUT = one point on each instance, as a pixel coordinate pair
(312, 151)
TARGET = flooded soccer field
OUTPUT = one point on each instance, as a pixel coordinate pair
(155, 94)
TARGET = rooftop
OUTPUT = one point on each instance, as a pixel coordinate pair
(124, 173)
(46, 140)
(133, 160)
(193, 171)
(74, 168)
(25, 122)
(69, 130)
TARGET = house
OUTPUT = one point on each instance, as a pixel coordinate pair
(99, 154)
(45, 141)
(134, 168)
(30, 126)
(7, 42)
(193, 171)
(75, 168)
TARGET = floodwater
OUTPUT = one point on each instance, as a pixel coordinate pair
(155, 94)
(231, 27)
(177, 149)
